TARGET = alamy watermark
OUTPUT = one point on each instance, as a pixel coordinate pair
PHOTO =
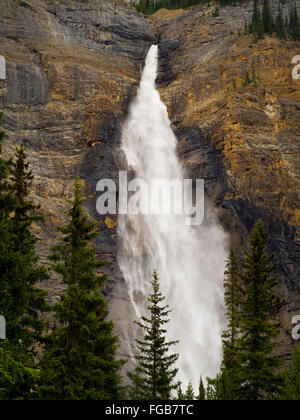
(2, 68)
(296, 329)
(155, 197)
(2, 328)
(296, 69)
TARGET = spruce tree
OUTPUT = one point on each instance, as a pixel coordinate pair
(80, 362)
(260, 308)
(226, 386)
(28, 301)
(180, 393)
(155, 373)
(21, 302)
(6, 199)
(18, 378)
(267, 18)
(255, 17)
(280, 27)
(221, 388)
(233, 296)
(291, 391)
(294, 24)
(189, 394)
(202, 392)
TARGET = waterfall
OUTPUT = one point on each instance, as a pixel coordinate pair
(189, 259)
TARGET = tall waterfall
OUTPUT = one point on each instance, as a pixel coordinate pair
(189, 259)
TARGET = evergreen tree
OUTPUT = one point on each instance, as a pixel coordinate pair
(180, 393)
(294, 24)
(231, 336)
(189, 394)
(220, 388)
(260, 308)
(18, 381)
(260, 30)
(255, 17)
(6, 199)
(21, 302)
(292, 379)
(80, 356)
(27, 301)
(280, 27)
(267, 18)
(202, 392)
(154, 375)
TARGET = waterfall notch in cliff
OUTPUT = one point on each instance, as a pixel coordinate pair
(189, 259)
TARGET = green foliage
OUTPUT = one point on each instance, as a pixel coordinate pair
(249, 368)
(267, 18)
(226, 386)
(180, 393)
(280, 26)
(79, 361)
(149, 7)
(233, 299)
(154, 375)
(17, 381)
(260, 308)
(263, 23)
(221, 388)
(291, 390)
(189, 394)
(21, 302)
(6, 198)
(216, 12)
(248, 79)
(202, 392)
(294, 24)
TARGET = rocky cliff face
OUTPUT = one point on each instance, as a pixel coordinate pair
(72, 69)
(243, 140)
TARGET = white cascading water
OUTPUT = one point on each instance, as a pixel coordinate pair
(189, 259)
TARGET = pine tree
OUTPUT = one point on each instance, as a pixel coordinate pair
(6, 198)
(18, 381)
(80, 355)
(233, 293)
(291, 390)
(28, 301)
(189, 394)
(180, 393)
(260, 30)
(231, 336)
(260, 308)
(280, 27)
(202, 392)
(220, 388)
(267, 18)
(294, 24)
(154, 375)
(21, 302)
(255, 17)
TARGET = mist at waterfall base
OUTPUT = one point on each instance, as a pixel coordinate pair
(189, 260)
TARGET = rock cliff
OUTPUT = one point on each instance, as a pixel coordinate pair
(72, 69)
(242, 138)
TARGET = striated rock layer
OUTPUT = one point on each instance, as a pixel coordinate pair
(242, 138)
(72, 69)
